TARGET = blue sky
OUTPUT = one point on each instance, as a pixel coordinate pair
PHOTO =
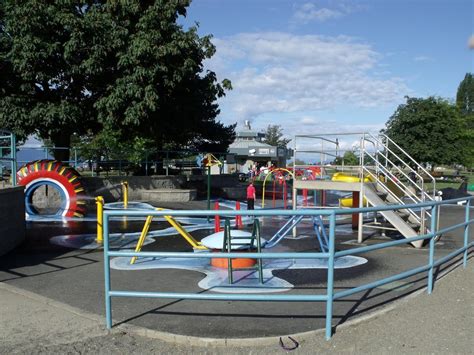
(333, 66)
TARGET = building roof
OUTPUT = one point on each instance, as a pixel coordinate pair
(247, 144)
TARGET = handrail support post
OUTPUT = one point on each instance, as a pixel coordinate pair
(434, 216)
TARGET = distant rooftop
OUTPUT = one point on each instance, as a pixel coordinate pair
(247, 134)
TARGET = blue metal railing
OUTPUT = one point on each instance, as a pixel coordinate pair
(11, 157)
(330, 296)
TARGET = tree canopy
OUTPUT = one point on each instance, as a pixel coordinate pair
(465, 104)
(465, 95)
(74, 67)
(349, 158)
(429, 129)
(274, 136)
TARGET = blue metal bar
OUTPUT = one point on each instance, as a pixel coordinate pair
(378, 283)
(222, 213)
(451, 255)
(330, 283)
(318, 234)
(221, 296)
(108, 301)
(466, 233)
(399, 207)
(329, 297)
(163, 254)
(384, 245)
(300, 212)
(455, 226)
(434, 216)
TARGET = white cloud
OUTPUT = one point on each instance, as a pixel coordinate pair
(274, 72)
(309, 12)
(422, 58)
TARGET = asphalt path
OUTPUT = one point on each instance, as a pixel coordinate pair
(75, 278)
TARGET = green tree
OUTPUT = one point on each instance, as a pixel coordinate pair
(73, 67)
(465, 104)
(429, 129)
(274, 136)
(349, 158)
(465, 95)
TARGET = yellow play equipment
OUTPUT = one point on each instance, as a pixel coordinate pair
(348, 178)
(341, 177)
(125, 193)
(347, 201)
(99, 200)
(271, 174)
(176, 225)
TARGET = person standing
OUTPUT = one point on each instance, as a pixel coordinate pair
(250, 196)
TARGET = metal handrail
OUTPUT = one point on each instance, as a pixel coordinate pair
(409, 156)
(407, 165)
(330, 296)
(400, 184)
(412, 213)
(424, 215)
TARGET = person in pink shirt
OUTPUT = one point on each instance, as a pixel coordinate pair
(250, 196)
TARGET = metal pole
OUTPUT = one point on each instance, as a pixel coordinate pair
(466, 233)
(13, 156)
(434, 215)
(108, 300)
(146, 163)
(294, 202)
(208, 190)
(259, 249)
(99, 200)
(228, 244)
(330, 285)
(125, 194)
(360, 230)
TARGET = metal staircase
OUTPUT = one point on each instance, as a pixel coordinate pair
(385, 164)
(385, 175)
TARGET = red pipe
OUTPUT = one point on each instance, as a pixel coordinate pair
(217, 219)
(238, 219)
(274, 194)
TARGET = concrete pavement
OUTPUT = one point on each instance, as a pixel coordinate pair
(440, 323)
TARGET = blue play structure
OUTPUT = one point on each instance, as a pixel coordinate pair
(318, 226)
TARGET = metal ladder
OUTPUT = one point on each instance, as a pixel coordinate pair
(229, 241)
(381, 159)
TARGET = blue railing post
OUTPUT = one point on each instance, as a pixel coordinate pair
(108, 304)
(466, 232)
(330, 284)
(434, 217)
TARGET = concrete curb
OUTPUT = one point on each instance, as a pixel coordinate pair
(192, 340)
(213, 342)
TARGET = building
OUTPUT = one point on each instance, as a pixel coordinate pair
(249, 150)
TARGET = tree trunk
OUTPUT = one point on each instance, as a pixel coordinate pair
(60, 142)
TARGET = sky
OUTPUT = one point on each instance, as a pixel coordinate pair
(331, 66)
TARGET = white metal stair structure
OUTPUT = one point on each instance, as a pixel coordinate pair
(384, 163)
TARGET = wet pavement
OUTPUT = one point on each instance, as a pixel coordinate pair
(75, 277)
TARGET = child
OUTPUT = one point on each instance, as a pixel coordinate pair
(250, 196)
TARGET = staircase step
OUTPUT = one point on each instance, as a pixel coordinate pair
(404, 215)
(392, 216)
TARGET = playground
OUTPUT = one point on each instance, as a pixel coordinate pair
(322, 248)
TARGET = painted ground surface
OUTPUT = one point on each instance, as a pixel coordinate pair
(76, 277)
